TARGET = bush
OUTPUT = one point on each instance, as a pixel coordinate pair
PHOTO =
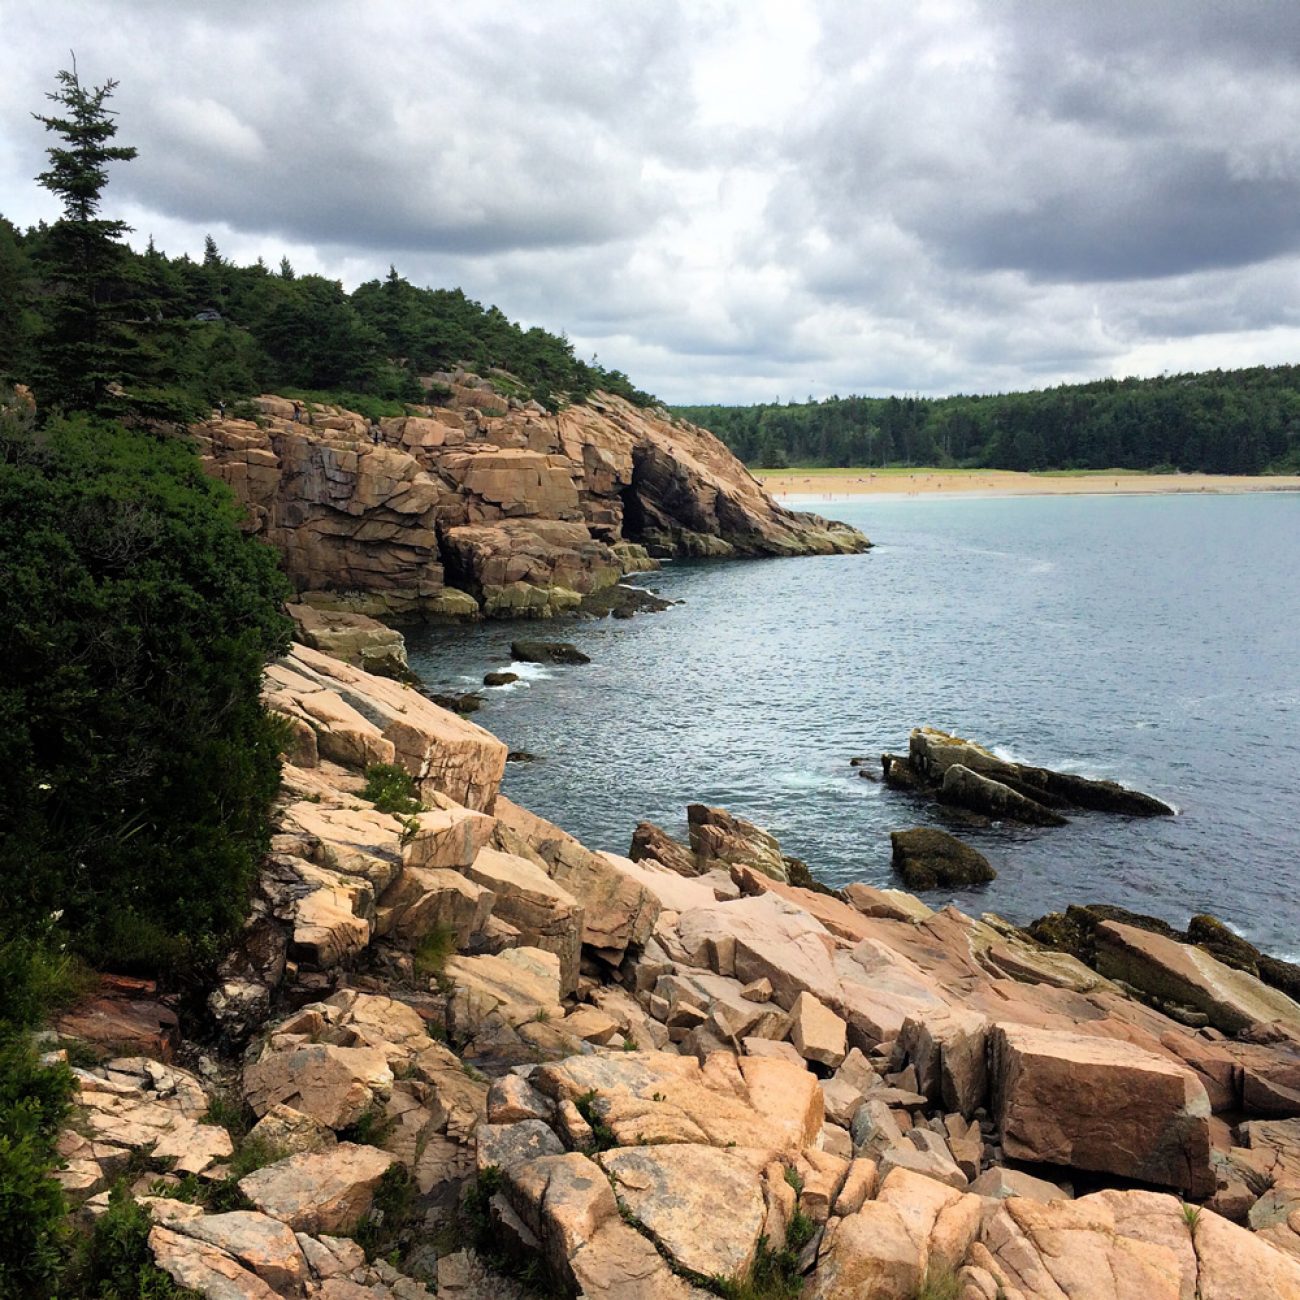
(392, 790)
(115, 1263)
(33, 1102)
(135, 619)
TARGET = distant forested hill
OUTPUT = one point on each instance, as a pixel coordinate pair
(191, 333)
(1220, 422)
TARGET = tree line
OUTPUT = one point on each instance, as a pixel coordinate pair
(1218, 422)
(92, 325)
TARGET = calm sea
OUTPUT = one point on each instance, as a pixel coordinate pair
(1154, 640)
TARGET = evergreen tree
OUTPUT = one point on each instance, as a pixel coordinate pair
(85, 347)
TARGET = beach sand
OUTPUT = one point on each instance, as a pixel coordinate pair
(824, 483)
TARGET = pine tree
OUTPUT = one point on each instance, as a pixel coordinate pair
(86, 348)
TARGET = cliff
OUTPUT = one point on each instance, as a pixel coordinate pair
(489, 505)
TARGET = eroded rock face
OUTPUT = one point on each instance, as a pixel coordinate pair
(359, 719)
(489, 506)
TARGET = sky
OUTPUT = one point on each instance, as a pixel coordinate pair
(730, 200)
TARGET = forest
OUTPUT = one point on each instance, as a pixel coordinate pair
(1219, 422)
(171, 336)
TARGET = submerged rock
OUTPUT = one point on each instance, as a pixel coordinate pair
(470, 702)
(933, 859)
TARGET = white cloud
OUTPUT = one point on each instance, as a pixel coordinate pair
(730, 199)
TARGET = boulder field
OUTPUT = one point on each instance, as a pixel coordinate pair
(484, 505)
(480, 1059)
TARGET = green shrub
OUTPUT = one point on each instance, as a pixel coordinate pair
(135, 619)
(392, 790)
(115, 1262)
(391, 1214)
(33, 1101)
(431, 953)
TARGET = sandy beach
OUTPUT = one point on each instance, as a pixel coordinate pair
(831, 483)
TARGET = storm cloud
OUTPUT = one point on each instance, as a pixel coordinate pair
(732, 200)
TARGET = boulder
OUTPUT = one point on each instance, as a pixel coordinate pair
(763, 937)
(933, 859)
(355, 638)
(672, 1192)
(421, 901)
(565, 1204)
(817, 1033)
(617, 909)
(258, 1242)
(204, 1268)
(868, 1253)
(718, 838)
(290, 1132)
(335, 1085)
(515, 986)
(999, 1182)
(1100, 1104)
(326, 1191)
(652, 843)
(652, 1097)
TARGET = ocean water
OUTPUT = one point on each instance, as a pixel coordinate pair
(1154, 640)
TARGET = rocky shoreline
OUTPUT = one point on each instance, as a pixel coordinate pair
(482, 1060)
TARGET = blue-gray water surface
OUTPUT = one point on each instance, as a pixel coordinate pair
(1154, 640)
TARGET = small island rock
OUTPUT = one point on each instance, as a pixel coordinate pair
(933, 859)
(547, 652)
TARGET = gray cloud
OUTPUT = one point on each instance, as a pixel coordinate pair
(735, 199)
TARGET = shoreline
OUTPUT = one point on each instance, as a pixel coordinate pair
(822, 484)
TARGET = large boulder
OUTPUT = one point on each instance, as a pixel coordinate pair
(672, 1191)
(1101, 1104)
(651, 1097)
(546, 915)
(335, 1085)
(617, 910)
(329, 1191)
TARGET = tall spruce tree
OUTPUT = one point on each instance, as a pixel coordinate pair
(86, 347)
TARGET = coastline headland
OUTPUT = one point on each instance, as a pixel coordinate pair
(485, 505)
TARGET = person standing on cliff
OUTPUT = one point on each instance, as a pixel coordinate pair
(375, 434)
(297, 413)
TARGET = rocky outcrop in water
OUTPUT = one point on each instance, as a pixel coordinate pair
(478, 1044)
(969, 777)
(933, 859)
(488, 505)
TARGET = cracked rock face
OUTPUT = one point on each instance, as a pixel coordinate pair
(493, 508)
